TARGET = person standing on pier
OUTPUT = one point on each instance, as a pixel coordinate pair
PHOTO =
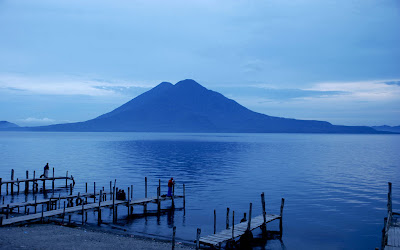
(171, 184)
(46, 171)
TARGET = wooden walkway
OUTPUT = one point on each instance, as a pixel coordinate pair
(239, 230)
(34, 182)
(391, 231)
(81, 208)
(231, 233)
(45, 201)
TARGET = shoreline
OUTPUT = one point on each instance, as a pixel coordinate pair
(53, 235)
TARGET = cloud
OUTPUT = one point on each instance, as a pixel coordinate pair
(34, 120)
(68, 86)
(374, 90)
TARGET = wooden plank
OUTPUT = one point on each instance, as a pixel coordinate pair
(240, 229)
(90, 206)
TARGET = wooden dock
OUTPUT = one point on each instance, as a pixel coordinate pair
(234, 232)
(32, 181)
(82, 208)
(391, 230)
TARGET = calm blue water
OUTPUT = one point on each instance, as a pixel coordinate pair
(335, 186)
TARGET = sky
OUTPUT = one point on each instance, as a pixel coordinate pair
(69, 60)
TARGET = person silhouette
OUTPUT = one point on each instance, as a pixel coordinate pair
(171, 184)
(45, 171)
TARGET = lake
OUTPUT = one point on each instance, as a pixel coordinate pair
(335, 186)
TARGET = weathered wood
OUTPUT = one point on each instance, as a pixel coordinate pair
(94, 191)
(198, 238)
(66, 181)
(215, 221)
(249, 221)
(1, 184)
(227, 218)
(158, 200)
(90, 206)
(99, 209)
(27, 182)
(233, 224)
(236, 230)
(173, 237)
(281, 216)
(184, 196)
(145, 194)
(12, 178)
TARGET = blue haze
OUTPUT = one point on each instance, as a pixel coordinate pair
(334, 185)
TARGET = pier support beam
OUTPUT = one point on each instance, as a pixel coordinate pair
(281, 214)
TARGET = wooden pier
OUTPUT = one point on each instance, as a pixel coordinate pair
(51, 207)
(84, 207)
(32, 181)
(234, 232)
(391, 230)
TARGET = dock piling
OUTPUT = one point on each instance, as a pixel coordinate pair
(281, 214)
(66, 181)
(215, 221)
(94, 192)
(233, 224)
(99, 211)
(173, 237)
(158, 200)
(12, 184)
(249, 221)
(42, 219)
(27, 182)
(198, 238)
(184, 199)
(1, 183)
(264, 226)
(227, 217)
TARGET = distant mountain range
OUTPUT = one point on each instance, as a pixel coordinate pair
(395, 129)
(7, 125)
(189, 107)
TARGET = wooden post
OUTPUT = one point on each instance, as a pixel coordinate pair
(145, 194)
(34, 182)
(184, 196)
(249, 221)
(17, 186)
(42, 213)
(116, 214)
(44, 185)
(66, 180)
(7, 188)
(198, 238)
(113, 205)
(227, 217)
(110, 190)
(94, 192)
(215, 221)
(27, 182)
(159, 185)
(389, 203)
(233, 224)
(1, 183)
(70, 189)
(158, 200)
(99, 211)
(145, 187)
(83, 214)
(12, 184)
(173, 201)
(1, 221)
(35, 203)
(264, 226)
(129, 202)
(281, 214)
(173, 237)
(63, 214)
(131, 192)
(52, 184)
(86, 191)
